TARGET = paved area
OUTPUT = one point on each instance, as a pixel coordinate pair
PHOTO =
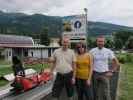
(62, 97)
(34, 94)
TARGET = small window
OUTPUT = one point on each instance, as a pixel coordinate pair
(26, 53)
(9, 53)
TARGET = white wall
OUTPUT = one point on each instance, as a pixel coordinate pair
(45, 53)
(39, 53)
(8, 54)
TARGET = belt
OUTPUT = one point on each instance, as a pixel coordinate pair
(64, 73)
(100, 73)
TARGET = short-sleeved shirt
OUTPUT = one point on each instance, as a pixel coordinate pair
(101, 59)
(83, 63)
(63, 60)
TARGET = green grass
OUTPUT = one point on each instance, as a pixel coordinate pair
(126, 82)
(3, 82)
(3, 62)
(7, 70)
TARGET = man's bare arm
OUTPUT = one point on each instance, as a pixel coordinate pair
(52, 64)
(115, 64)
(91, 67)
(74, 69)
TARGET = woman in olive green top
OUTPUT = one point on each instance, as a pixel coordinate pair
(83, 73)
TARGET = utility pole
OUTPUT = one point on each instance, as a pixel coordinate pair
(86, 14)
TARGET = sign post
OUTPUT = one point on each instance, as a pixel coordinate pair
(86, 13)
(75, 28)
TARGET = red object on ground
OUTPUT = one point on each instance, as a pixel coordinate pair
(27, 84)
(32, 81)
(45, 76)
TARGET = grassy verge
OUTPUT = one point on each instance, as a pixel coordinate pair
(126, 82)
(3, 62)
(3, 82)
(5, 70)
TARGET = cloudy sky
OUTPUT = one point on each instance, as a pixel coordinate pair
(113, 11)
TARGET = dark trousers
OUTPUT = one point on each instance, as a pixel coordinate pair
(61, 81)
(84, 90)
(101, 86)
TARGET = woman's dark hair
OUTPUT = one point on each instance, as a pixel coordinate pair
(15, 60)
(79, 45)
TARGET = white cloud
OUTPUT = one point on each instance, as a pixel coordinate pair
(114, 11)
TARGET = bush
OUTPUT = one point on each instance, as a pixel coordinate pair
(129, 57)
(124, 58)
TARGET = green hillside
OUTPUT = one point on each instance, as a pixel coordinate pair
(32, 25)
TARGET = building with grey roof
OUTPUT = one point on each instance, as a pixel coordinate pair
(13, 40)
(22, 46)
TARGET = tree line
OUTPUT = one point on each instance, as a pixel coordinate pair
(118, 40)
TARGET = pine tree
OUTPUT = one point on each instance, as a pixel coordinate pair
(44, 38)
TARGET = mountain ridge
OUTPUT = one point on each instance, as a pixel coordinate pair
(32, 25)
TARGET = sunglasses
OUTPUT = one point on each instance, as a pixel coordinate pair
(82, 46)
